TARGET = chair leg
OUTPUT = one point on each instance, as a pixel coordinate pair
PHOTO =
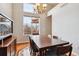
(43, 53)
(70, 51)
(35, 53)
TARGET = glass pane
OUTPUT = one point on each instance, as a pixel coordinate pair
(31, 25)
(5, 25)
(27, 20)
(27, 25)
(28, 7)
(35, 26)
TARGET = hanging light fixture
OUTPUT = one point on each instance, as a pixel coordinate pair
(40, 8)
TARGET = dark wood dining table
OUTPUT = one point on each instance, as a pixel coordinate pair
(43, 42)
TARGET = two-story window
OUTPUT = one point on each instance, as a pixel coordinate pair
(29, 26)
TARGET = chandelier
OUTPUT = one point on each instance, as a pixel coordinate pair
(40, 7)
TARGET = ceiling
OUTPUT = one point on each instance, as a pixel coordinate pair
(49, 6)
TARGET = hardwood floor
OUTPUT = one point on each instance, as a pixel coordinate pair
(21, 46)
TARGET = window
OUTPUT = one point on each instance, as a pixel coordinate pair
(27, 21)
(27, 25)
(30, 24)
(35, 26)
(28, 7)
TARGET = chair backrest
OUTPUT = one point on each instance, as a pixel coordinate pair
(32, 45)
(49, 36)
(62, 50)
(55, 37)
(30, 41)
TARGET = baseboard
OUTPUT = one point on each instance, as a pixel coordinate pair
(25, 42)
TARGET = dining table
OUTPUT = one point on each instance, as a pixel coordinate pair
(44, 42)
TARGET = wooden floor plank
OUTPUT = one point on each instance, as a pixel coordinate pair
(21, 46)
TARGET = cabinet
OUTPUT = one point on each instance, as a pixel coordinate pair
(7, 43)
(9, 46)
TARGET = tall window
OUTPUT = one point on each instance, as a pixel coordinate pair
(27, 21)
(27, 25)
(35, 26)
(28, 7)
(30, 24)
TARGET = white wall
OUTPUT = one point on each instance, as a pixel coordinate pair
(18, 21)
(6, 8)
(45, 24)
(65, 24)
(49, 25)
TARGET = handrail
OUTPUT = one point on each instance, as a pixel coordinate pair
(5, 16)
(9, 20)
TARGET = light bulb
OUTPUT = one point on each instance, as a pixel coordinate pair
(44, 5)
(37, 4)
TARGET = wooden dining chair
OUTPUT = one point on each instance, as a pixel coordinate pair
(53, 48)
(55, 37)
(30, 49)
(33, 48)
(61, 51)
